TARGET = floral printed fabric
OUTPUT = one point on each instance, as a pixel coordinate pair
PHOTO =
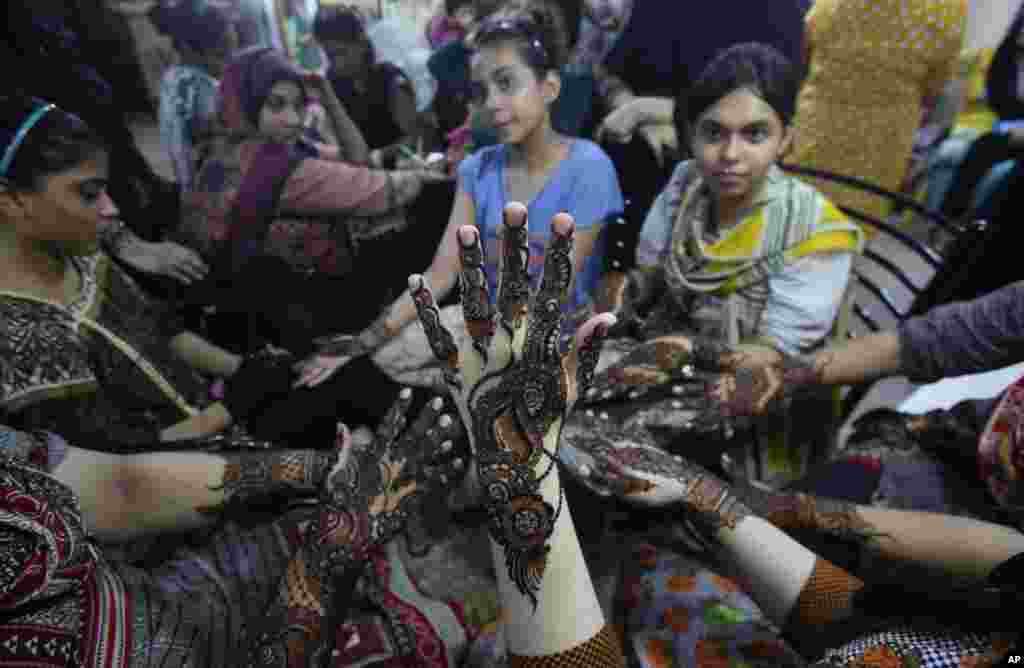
(673, 613)
(677, 613)
(1001, 449)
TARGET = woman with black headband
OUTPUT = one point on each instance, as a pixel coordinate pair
(83, 353)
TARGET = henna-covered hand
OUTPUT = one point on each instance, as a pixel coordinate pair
(370, 496)
(660, 363)
(669, 372)
(621, 462)
(514, 385)
(755, 391)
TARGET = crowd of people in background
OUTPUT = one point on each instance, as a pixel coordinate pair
(446, 343)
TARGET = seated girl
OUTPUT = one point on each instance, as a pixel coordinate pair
(280, 218)
(378, 96)
(515, 74)
(733, 250)
(572, 114)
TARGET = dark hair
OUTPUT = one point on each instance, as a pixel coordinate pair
(757, 67)
(453, 6)
(537, 28)
(572, 14)
(343, 24)
(58, 141)
(197, 28)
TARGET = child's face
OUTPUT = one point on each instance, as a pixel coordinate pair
(507, 91)
(735, 143)
(283, 115)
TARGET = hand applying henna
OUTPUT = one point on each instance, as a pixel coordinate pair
(515, 388)
(748, 392)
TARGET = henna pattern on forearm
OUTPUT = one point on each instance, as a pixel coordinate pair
(754, 391)
(834, 517)
(520, 520)
(261, 477)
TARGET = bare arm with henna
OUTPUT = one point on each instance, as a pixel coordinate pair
(749, 523)
(514, 390)
(758, 389)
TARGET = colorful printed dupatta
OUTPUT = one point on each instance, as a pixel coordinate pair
(1001, 452)
(791, 221)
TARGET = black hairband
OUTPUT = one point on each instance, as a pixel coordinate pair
(523, 28)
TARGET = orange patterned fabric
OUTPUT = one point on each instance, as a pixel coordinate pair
(826, 597)
(601, 651)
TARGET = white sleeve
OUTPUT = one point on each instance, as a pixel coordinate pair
(655, 235)
(805, 300)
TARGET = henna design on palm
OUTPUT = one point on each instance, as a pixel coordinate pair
(255, 477)
(663, 361)
(371, 494)
(834, 517)
(663, 373)
(618, 461)
(755, 391)
(515, 390)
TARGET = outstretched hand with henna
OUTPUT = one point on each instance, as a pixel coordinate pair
(514, 385)
(367, 499)
(676, 371)
(372, 493)
(661, 362)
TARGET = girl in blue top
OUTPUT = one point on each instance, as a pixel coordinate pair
(518, 53)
